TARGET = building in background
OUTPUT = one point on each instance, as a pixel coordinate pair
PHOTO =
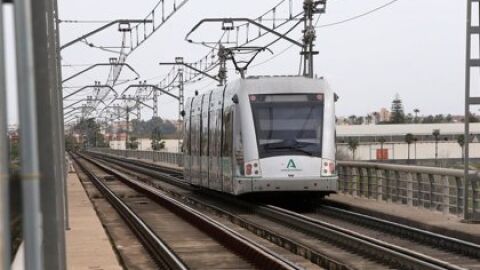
(384, 115)
(388, 142)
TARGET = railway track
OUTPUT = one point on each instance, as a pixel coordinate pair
(401, 246)
(403, 234)
(206, 243)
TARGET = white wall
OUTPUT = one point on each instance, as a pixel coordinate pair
(144, 144)
(424, 150)
(171, 145)
(117, 145)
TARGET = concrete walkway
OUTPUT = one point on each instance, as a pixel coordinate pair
(88, 246)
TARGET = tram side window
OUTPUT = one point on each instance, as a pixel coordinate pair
(228, 129)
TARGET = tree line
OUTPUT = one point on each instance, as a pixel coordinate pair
(399, 116)
(92, 133)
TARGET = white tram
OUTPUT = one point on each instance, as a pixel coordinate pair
(262, 134)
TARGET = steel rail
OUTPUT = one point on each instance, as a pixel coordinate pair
(365, 244)
(161, 253)
(435, 239)
(173, 176)
(373, 247)
(257, 254)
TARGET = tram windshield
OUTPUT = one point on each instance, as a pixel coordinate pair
(288, 124)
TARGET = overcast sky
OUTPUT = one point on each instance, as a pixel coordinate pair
(415, 48)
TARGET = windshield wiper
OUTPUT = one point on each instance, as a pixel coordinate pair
(288, 147)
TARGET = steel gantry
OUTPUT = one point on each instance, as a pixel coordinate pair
(471, 211)
(134, 34)
(310, 9)
(216, 55)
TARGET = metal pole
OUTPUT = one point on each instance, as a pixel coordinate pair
(222, 71)
(155, 103)
(180, 94)
(128, 127)
(307, 6)
(4, 177)
(309, 35)
(467, 111)
(50, 132)
(32, 217)
(60, 110)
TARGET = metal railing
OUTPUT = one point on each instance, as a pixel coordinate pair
(439, 189)
(433, 188)
(172, 158)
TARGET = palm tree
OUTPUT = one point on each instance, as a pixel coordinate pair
(381, 140)
(376, 117)
(360, 120)
(416, 111)
(156, 137)
(133, 143)
(409, 139)
(415, 140)
(369, 118)
(461, 142)
(353, 119)
(353, 145)
(436, 136)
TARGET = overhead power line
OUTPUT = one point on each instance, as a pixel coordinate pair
(329, 25)
(359, 16)
(211, 59)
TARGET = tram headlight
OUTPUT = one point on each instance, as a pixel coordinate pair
(252, 168)
(328, 167)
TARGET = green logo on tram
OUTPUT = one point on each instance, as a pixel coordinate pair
(291, 164)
